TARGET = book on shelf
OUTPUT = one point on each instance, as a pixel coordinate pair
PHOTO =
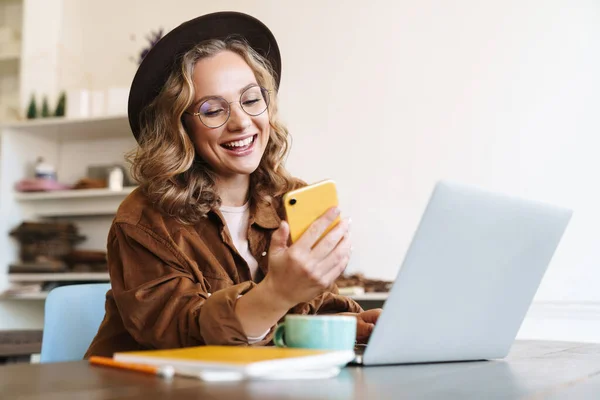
(37, 267)
(222, 363)
(351, 291)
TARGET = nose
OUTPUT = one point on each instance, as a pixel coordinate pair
(238, 119)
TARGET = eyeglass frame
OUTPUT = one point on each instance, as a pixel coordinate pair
(229, 103)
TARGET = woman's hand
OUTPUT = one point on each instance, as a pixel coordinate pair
(366, 321)
(300, 272)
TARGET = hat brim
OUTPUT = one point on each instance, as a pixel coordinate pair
(156, 67)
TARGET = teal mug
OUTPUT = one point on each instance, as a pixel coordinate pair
(324, 332)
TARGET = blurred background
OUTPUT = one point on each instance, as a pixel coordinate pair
(384, 97)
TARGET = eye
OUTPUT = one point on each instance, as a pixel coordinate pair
(213, 113)
(250, 102)
(213, 108)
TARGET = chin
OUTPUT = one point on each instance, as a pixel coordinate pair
(239, 167)
(247, 169)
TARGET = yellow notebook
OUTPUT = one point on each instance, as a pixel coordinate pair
(234, 363)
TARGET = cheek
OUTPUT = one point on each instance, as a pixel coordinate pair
(263, 125)
(203, 140)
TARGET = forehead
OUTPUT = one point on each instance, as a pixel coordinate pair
(223, 74)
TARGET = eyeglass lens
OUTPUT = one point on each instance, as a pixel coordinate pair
(215, 111)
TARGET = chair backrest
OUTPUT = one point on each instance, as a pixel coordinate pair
(72, 316)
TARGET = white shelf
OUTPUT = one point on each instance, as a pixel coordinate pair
(59, 276)
(370, 297)
(76, 214)
(73, 194)
(74, 203)
(65, 129)
(26, 296)
(43, 295)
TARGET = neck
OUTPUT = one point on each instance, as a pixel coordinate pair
(234, 191)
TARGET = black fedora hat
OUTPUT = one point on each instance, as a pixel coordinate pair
(158, 63)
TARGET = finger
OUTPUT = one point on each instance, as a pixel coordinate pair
(330, 241)
(363, 333)
(363, 329)
(279, 238)
(317, 228)
(335, 263)
(371, 316)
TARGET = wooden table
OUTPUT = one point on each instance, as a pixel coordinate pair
(533, 370)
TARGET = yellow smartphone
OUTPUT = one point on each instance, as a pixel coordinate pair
(305, 205)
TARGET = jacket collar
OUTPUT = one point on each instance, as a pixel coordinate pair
(264, 214)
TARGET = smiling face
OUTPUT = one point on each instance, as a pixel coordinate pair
(237, 146)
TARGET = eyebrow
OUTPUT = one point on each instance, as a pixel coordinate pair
(200, 100)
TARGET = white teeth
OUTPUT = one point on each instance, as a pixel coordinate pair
(240, 143)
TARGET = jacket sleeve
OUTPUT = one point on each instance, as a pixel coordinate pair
(162, 303)
(329, 302)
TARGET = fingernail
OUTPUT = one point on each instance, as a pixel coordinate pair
(336, 211)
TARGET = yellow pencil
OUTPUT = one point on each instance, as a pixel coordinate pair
(163, 371)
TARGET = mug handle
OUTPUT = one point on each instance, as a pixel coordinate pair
(278, 335)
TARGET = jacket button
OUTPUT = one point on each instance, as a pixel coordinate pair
(264, 253)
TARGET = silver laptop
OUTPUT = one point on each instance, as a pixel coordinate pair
(468, 278)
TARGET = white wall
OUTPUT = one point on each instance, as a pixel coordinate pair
(40, 49)
(387, 97)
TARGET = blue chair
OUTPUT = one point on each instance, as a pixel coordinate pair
(72, 316)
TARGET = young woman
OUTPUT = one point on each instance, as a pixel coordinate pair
(199, 253)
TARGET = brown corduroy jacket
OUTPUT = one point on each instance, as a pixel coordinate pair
(175, 285)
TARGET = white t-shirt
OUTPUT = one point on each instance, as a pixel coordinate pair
(237, 220)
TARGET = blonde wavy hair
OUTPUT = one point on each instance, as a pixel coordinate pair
(166, 164)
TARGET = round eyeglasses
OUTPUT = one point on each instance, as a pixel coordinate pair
(214, 111)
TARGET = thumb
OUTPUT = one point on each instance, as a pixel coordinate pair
(279, 238)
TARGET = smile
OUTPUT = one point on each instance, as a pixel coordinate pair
(240, 147)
